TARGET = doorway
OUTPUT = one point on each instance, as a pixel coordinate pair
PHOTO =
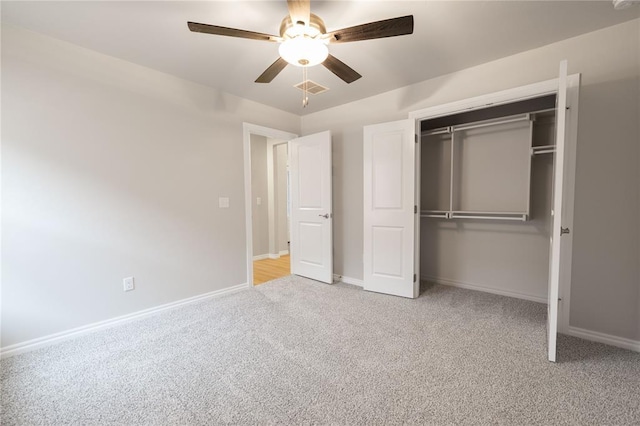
(270, 208)
(266, 200)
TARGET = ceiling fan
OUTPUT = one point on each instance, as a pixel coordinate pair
(304, 39)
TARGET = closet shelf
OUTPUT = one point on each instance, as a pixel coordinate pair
(545, 149)
(435, 213)
(479, 124)
(518, 216)
(491, 123)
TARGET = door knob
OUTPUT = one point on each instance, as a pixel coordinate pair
(326, 215)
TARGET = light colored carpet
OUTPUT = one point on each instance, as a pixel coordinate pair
(295, 351)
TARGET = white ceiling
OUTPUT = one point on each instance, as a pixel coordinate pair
(448, 36)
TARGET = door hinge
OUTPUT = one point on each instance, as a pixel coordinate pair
(415, 209)
(415, 278)
(564, 231)
(415, 138)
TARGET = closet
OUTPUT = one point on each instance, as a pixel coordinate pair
(485, 198)
(476, 193)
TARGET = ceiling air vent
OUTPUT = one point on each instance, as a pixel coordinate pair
(312, 87)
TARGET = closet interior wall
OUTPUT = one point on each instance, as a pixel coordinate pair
(504, 256)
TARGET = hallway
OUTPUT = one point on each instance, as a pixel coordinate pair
(270, 269)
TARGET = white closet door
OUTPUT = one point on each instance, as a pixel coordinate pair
(557, 230)
(389, 202)
(311, 207)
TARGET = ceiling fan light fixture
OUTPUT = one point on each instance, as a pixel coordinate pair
(304, 51)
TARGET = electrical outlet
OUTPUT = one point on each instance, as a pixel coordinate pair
(128, 284)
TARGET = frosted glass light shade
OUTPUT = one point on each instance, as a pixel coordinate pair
(303, 51)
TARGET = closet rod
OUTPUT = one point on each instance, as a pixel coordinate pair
(494, 213)
(523, 117)
(521, 218)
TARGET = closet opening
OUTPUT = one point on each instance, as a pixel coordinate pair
(486, 195)
(468, 202)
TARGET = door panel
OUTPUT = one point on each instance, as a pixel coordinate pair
(311, 177)
(310, 252)
(557, 211)
(387, 167)
(386, 263)
(389, 200)
(311, 207)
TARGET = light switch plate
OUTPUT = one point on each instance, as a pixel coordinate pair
(223, 202)
(259, 201)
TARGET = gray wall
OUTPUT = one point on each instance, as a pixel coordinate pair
(111, 170)
(282, 226)
(259, 189)
(606, 255)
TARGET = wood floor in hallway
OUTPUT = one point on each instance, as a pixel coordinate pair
(270, 269)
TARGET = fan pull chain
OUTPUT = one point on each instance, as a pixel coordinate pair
(305, 97)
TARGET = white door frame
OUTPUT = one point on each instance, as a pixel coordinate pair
(249, 129)
(517, 94)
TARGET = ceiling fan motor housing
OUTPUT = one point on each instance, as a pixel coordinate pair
(316, 26)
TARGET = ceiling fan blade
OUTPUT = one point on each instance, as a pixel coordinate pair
(299, 11)
(231, 32)
(342, 70)
(271, 72)
(379, 29)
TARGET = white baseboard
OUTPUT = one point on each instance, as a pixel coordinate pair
(595, 336)
(271, 255)
(608, 339)
(51, 339)
(348, 280)
(479, 287)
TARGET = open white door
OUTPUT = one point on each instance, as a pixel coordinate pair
(389, 209)
(311, 207)
(557, 212)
